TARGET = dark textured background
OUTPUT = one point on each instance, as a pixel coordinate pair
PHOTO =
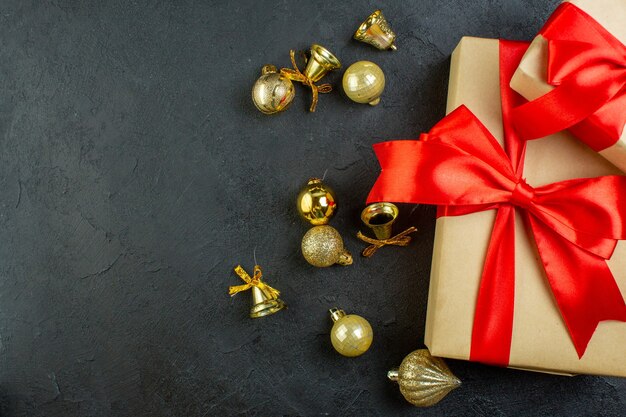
(136, 173)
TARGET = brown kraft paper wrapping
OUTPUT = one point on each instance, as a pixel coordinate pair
(530, 78)
(540, 339)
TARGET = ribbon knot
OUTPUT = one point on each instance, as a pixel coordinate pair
(254, 281)
(296, 75)
(523, 194)
(401, 239)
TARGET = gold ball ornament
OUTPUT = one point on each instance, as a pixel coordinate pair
(322, 246)
(351, 335)
(316, 202)
(424, 380)
(364, 82)
(272, 92)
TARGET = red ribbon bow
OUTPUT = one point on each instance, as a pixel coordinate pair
(575, 223)
(587, 65)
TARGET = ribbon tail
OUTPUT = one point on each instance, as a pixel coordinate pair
(237, 289)
(315, 97)
(493, 320)
(581, 283)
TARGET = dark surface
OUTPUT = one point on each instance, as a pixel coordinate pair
(135, 174)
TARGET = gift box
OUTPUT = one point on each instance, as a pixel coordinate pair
(477, 194)
(588, 36)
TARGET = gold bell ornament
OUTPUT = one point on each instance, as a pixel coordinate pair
(380, 218)
(265, 299)
(320, 62)
(376, 31)
(351, 335)
(273, 92)
(316, 202)
(364, 82)
(424, 380)
(322, 246)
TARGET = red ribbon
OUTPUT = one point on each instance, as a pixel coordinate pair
(587, 66)
(575, 223)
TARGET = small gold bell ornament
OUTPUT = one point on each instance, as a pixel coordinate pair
(316, 202)
(265, 299)
(424, 379)
(322, 246)
(364, 82)
(376, 31)
(351, 335)
(273, 92)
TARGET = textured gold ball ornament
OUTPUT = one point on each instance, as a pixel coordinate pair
(364, 82)
(424, 379)
(351, 335)
(322, 246)
(272, 92)
(316, 202)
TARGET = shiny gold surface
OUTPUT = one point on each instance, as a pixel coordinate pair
(351, 335)
(376, 31)
(262, 306)
(316, 202)
(424, 379)
(320, 62)
(380, 218)
(272, 92)
(265, 299)
(364, 82)
(322, 246)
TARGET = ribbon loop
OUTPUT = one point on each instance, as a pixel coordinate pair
(587, 67)
(254, 281)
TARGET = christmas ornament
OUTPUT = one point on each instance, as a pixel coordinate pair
(364, 82)
(424, 379)
(316, 202)
(376, 31)
(401, 239)
(272, 92)
(380, 217)
(351, 335)
(265, 299)
(320, 62)
(322, 246)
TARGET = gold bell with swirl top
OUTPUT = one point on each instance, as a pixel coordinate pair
(424, 380)
(320, 62)
(380, 218)
(316, 202)
(376, 31)
(265, 299)
(322, 246)
(273, 92)
(364, 82)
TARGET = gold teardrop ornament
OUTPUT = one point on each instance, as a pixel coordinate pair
(424, 380)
